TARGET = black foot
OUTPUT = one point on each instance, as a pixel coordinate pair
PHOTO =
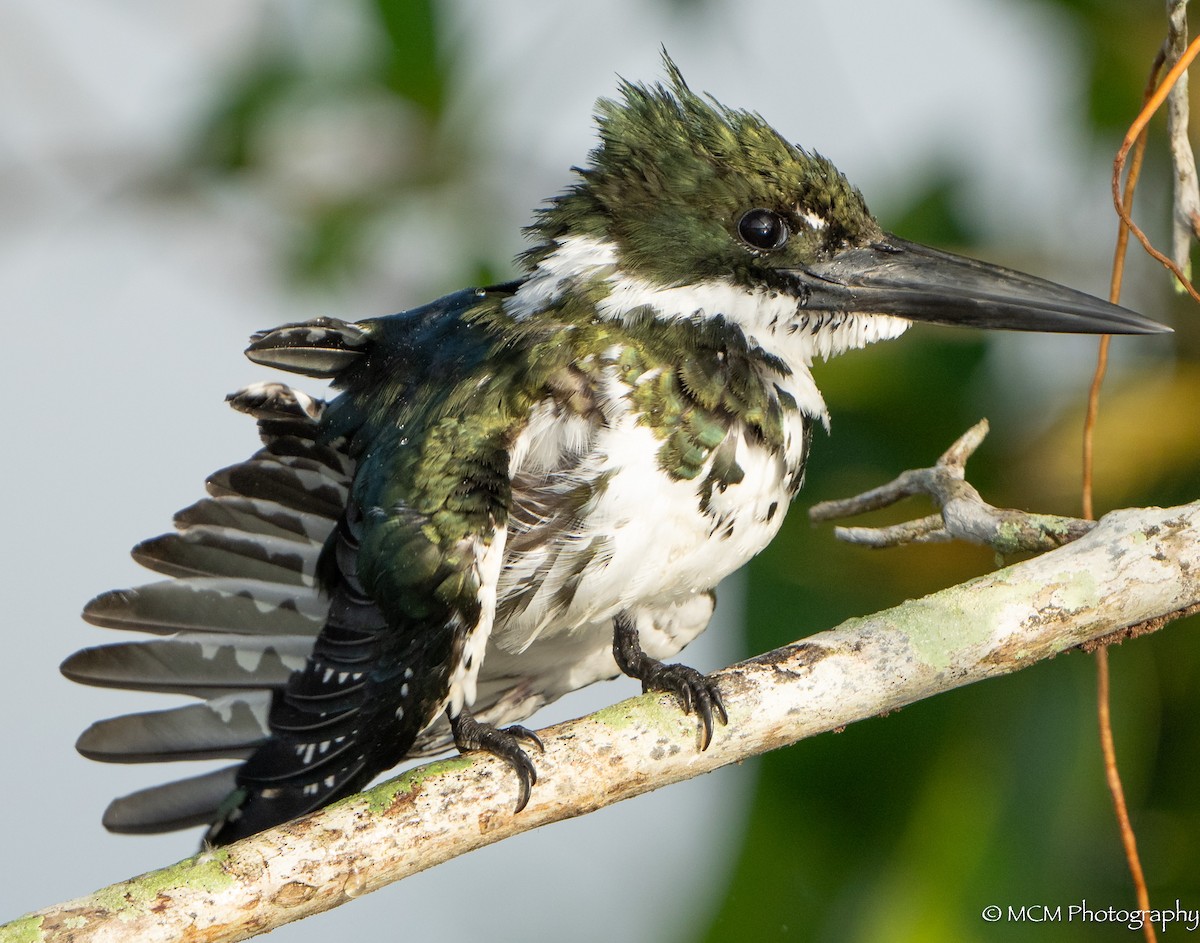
(471, 734)
(698, 692)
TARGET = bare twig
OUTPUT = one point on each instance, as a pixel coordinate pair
(1135, 130)
(964, 514)
(1137, 568)
(1114, 294)
(1112, 776)
(1186, 219)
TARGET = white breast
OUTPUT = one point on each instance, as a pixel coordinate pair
(644, 538)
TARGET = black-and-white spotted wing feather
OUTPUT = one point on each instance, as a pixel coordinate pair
(241, 609)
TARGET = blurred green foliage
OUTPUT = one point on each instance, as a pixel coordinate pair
(902, 828)
(1118, 40)
(389, 55)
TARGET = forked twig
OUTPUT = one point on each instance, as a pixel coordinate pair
(963, 514)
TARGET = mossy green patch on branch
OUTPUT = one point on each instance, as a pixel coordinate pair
(203, 872)
(1078, 590)
(940, 627)
(652, 711)
(23, 930)
(383, 796)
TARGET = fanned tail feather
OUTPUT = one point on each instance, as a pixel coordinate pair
(210, 604)
(199, 665)
(237, 619)
(242, 608)
(181, 804)
(226, 726)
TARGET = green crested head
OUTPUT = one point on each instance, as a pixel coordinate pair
(691, 210)
(685, 189)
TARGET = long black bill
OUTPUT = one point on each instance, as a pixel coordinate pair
(895, 276)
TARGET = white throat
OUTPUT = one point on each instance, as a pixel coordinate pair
(770, 320)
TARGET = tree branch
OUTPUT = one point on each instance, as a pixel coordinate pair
(1137, 570)
(964, 515)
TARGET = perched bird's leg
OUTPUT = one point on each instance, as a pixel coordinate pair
(964, 514)
(471, 734)
(698, 692)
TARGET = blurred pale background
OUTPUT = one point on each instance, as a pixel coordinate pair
(177, 176)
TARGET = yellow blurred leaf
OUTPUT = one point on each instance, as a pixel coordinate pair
(1148, 434)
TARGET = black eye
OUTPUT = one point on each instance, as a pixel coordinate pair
(762, 229)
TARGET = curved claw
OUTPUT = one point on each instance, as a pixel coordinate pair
(471, 734)
(699, 693)
(524, 733)
(526, 776)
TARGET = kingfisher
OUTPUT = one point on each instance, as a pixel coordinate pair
(522, 489)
